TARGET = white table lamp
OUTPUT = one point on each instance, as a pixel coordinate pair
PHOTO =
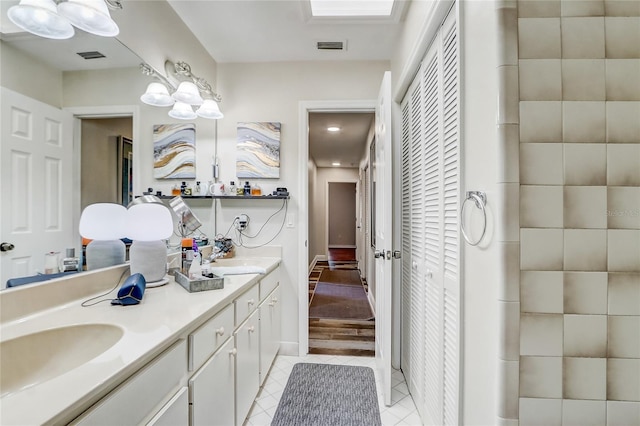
(105, 224)
(148, 225)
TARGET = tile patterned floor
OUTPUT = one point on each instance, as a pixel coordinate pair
(403, 411)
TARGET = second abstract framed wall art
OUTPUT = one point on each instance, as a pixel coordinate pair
(258, 150)
(174, 151)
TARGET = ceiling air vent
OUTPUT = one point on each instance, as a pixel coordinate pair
(91, 55)
(330, 45)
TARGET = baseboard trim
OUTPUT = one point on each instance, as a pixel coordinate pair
(318, 258)
(289, 349)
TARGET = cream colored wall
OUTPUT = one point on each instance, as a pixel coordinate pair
(272, 92)
(27, 75)
(99, 158)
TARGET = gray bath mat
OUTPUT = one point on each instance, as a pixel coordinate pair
(329, 395)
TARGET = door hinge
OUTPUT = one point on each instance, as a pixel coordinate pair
(397, 254)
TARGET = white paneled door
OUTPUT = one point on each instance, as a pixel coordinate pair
(430, 150)
(383, 234)
(36, 211)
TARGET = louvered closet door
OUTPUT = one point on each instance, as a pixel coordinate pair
(430, 240)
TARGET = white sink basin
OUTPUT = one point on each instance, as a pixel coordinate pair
(34, 358)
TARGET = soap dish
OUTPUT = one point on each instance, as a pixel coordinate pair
(203, 284)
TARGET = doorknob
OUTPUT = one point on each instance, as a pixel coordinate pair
(6, 246)
(378, 254)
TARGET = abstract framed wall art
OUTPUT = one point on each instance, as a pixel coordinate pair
(174, 151)
(258, 150)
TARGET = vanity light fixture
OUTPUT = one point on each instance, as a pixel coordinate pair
(47, 19)
(184, 89)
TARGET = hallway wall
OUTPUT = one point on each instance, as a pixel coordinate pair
(579, 91)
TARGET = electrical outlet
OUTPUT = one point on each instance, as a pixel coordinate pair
(241, 222)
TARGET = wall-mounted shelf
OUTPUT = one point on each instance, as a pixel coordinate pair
(228, 197)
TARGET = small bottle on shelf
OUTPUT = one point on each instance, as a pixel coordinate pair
(255, 190)
(232, 188)
(198, 189)
(175, 190)
(247, 188)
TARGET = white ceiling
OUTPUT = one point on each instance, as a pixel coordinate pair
(346, 146)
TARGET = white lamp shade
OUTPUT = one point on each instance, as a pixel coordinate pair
(91, 16)
(149, 222)
(158, 95)
(209, 109)
(104, 221)
(188, 93)
(182, 111)
(41, 18)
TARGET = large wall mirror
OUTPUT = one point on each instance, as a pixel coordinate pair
(47, 192)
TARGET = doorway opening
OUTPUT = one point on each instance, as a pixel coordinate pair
(340, 316)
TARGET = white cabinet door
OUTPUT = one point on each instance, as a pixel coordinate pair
(247, 338)
(270, 331)
(212, 389)
(175, 412)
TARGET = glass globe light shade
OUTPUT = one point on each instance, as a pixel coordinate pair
(157, 94)
(182, 111)
(209, 109)
(91, 16)
(41, 18)
(188, 93)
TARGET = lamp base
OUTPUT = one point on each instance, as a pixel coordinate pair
(159, 283)
(148, 258)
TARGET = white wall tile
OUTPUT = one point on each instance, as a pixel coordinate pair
(624, 293)
(541, 249)
(622, 79)
(583, 38)
(538, 9)
(583, 80)
(541, 164)
(585, 164)
(619, 32)
(622, 413)
(582, 8)
(584, 378)
(624, 250)
(583, 413)
(585, 336)
(623, 125)
(585, 207)
(541, 206)
(542, 291)
(541, 334)
(585, 292)
(539, 38)
(541, 80)
(540, 121)
(540, 412)
(508, 153)
(585, 250)
(623, 207)
(622, 164)
(541, 377)
(619, 385)
(583, 122)
(624, 336)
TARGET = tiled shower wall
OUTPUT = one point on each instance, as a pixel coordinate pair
(579, 86)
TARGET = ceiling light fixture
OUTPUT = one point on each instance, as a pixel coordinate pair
(335, 163)
(333, 129)
(47, 19)
(184, 89)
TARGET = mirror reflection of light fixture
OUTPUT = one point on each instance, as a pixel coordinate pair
(181, 86)
(91, 16)
(40, 17)
(188, 221)
(46, 19)
(148, 225)
(182, 111)
(104, 224)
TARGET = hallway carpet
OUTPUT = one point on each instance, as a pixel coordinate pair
(329, 395)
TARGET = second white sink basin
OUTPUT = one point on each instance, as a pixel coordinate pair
(38, 357)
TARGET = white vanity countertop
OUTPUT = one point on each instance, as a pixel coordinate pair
(165, 315)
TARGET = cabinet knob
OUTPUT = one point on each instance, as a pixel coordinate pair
(273, 301)
(220, 331)
(251, 329)
(251, 302)
(233, 352)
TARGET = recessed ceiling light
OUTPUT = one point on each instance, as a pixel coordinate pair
(335, 163)
(333, 129)
(351, 8)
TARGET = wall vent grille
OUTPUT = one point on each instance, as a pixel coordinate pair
(91, 55)
(330, 45)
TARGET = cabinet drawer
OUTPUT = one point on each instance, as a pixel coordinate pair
(268, 283)
(136, 399)
(175, 412)
(209, 337)
(246, 304)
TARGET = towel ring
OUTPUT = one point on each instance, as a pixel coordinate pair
(480, 199)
